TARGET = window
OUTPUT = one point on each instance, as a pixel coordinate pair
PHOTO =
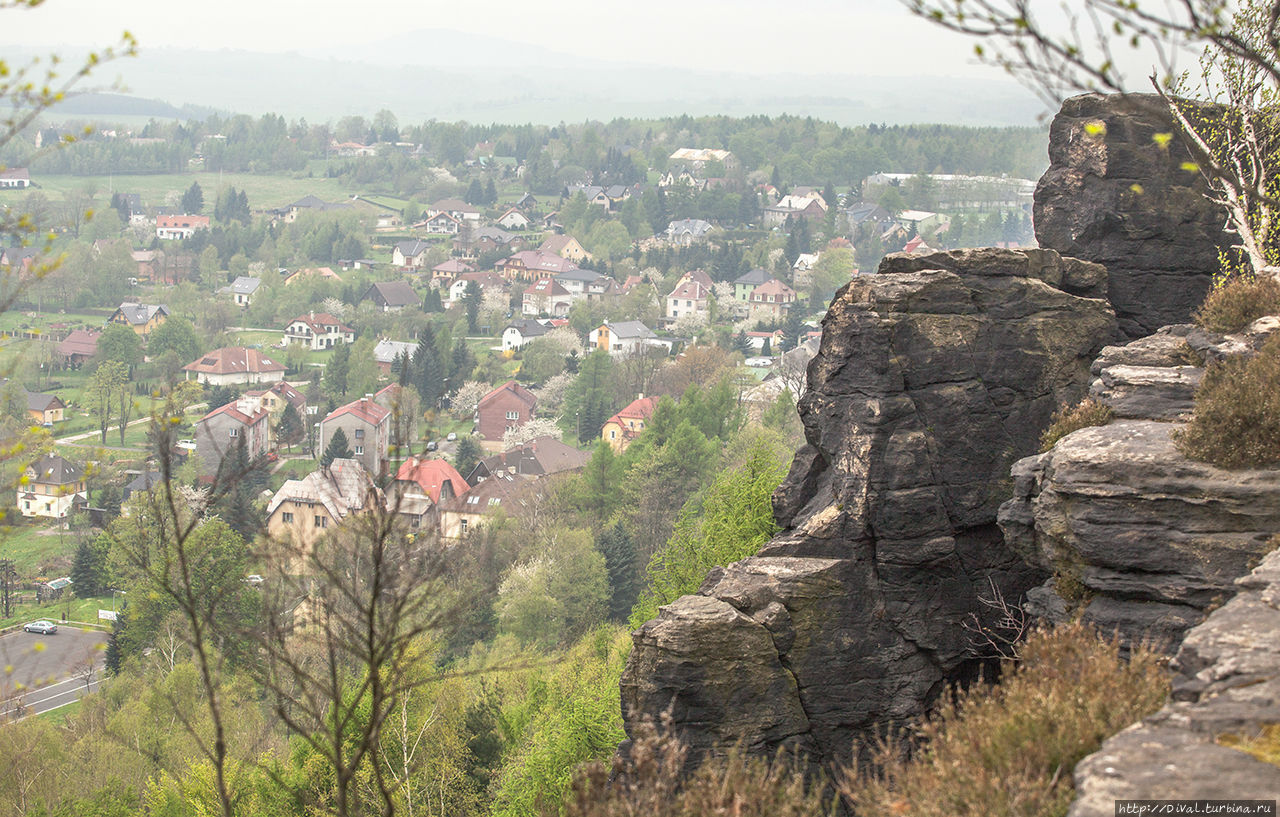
(235, 432)
(359, 433)
(286, 517)
(463, 525)
(513, 415)
(613, 435)
(359, 450)
(322, 521)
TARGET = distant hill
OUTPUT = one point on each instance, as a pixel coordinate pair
(96, 104)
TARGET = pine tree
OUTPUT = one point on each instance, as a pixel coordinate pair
(338, 370)
(428, 374)
(193, 199)
(289, 430)
(467, 455)
(741, 344)
(461, 363)
(491, 193)
(87, 570)
(471, 298)
(475, 193)
(337, 449)
(619, 551)
(766, 350)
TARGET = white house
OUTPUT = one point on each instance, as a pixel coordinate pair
(242, 289)
(318, 330)
(53, 488)
(513, 219)
(689, 298)
(522, 332)
(622, 337)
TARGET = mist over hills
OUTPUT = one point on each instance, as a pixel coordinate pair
(449, 75)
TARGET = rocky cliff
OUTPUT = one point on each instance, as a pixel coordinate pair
(1115, 196)
(933, 377)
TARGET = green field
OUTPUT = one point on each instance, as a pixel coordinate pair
(30, 546)
(75, 609)
(262, 191)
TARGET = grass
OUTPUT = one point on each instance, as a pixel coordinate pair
(262, 190)
(1086, 413)
(1264, 746)
(1236, 420)
(32, 545)
(59, 716)
(75, 609)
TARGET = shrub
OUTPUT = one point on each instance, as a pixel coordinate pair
(1265, 746)
(1237, 302)
(1009, 749)
(1236, 421)
(1087, 412)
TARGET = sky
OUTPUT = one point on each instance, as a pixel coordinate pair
(866, 37)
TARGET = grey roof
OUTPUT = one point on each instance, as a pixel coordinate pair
(412, 249)
(545, 455)
(52, 469)
(139, 314)
(528, 328)
(587, 276)
(245, 285)
(695, 226)
(310, 201)
(144, 481)
(630, 329)
(754, 277)
(343, 488)
(496, 234)
(40, 402)
(393, 293)
(388, 350)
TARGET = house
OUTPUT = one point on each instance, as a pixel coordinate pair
(481, 240)
(546, 297)
(386, 352)
(502, 494)
(576, 281)
(744, 284)
(242, 290)
(621, 337)
(771, 300)
(141, 318)
(79, 346)
(699, 158)
(522, 332)
(149, 262)
(274, 400)
(44, 409)
(508, 406)
(411, 254)
(487, 281)
(805, 261)
(234, 364)
(688, 298)
(323, 273)
(242, 422)
(456, 208)
(141, 483)
(391, 296)
(444, 274)
(171, 228)
(924, 223)
(542, 457)
(594, 194)
(403, 404)
(513, 219)
(794, 207)
(867, 212)
(684, 232)
(54, 487)
(304, 509)
(565, 246)
(529, 265)
(434, 479)
(317, 331)
(623, 427)
(526, 202)
(440, 224)
(367, 427)
(14, 178)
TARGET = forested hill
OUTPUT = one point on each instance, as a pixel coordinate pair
(801, 149)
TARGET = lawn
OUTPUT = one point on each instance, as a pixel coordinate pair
(59, 716)
(32, 545)
(76, 609)
(291, 469)
(263, 191)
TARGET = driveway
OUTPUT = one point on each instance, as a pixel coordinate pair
(43, 672)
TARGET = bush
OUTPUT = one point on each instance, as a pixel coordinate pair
(1236, 421)
(1086, 413)
(1238, 302)
(1009, 749)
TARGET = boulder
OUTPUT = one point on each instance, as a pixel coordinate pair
(932, 378)
(1115, 196)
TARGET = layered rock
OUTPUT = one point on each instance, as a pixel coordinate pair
(1114, 195)
(1226, 683)
(932, 378)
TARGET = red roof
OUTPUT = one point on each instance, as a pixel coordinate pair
(234, 360)
(319, 320)
(182, 221)
(233, 411)
(638, 409)
(431, 475)
(364, 408)
(515, 388)
(546, 286)
(82, 342)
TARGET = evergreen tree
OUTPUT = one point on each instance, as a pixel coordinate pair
(87, 570)
(619, 551)
(467, 455)
(219, 396)
(193, 199)
(766, 350)
(337, 372)
(337, 449)
(111, 660)
(491, 193)
(741, 344)
(428, 374)
(590, 399)
(475, 193)
(792, 250)
(109, 500)
(289, 430)
(471, 298)
(791, 328)
(462, 362)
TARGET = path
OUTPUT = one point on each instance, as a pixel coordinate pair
(75, 438)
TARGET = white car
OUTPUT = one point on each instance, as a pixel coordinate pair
(43, 627)
(187, 445)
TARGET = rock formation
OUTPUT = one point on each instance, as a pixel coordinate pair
(1226, 683)
(1119, 198)
(933, 377)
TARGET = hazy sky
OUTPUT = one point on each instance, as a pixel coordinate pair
(877, 37)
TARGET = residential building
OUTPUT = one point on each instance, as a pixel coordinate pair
(324, 273)
(565, 246)
(500, 495)
(242, 290)
(521, 332)
(318, 330)
(923, 223)
(142, 482)
(411, 254)
(771, 300)
(576, 281)
(403, 404)
(305, 509)
(367, 427)
(386, 352)
(79, 346)
(623, 427)
(958, 192)
(44, 409)
(14, 178)
(621, 337)
(440, 224)
(529, 265)
(391, 296)
(172, 228)
(689, 298)
(546, 297)
(508, 406)
(481, 240)
(744, 284)
(699, 158)
(542, 457)
(242, 422)
(141, 318)
(513, 219)
(54, 488)
(455, 207)
(234, 364)
(434, 479)
(684, 232)
(444, 274)
(274, 399)
(794, 207)
(487, 281)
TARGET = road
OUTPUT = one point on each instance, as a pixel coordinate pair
(76, 438)
(45, 672)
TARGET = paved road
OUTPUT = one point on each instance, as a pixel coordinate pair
(45, 672)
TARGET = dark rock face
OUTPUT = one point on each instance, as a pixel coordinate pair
(1226, 682)
(1159, 240)
(932, 378)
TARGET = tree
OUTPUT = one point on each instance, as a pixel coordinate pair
(337, 449)
(121, 344)
(467, 455)
(590, 400)
(338, 369)
(290, 430)
(101, 395)
(428, 373)
(87, 570)
(175, 334)
(619, 552)
(471, 300)
(193, 199)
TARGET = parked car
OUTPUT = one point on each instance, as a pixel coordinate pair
(431, 446)
(187, 445)
(452, 437)
(43, 627)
